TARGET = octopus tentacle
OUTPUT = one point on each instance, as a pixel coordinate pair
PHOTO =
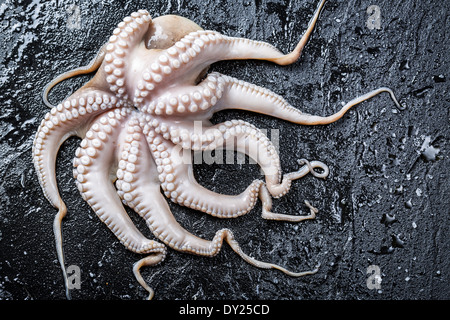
(72, 117)
(200, 48)
(177, 180)
(218, 92)
(238, 94)
(295, 54)
(138, 185)
(247, 139)
(91, 67)
(120, 50)
(240, 136)
(208, 46)
(95, 159)
(143, 196)
(196, 51)
(69, 118)
(187, 100)
(266, 197)
(151, 260)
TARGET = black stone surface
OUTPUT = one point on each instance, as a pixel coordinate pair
(385, 202)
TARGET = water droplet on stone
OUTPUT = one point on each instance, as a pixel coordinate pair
(408, 204)
(387, 219)
(397, 242)
(439, 78)
(404, 65)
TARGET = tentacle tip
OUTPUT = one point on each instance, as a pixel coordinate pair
(316, 268)
(401, 106)
(398, 105)
(151, 294)
(309, 205)
(68, 295)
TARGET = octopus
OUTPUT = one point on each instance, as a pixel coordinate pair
(145, 112)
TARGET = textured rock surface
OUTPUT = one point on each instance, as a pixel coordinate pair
(385, 202)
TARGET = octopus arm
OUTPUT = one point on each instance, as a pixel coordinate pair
(70, 118)
(95, 159)
(73, 116)
(245, 138)
(139, 188)
(195, 52)
(121, 62)
(138, 185)
(188, 101)
(175, 172)
(91, 67)
(201, 48)
(238, 94)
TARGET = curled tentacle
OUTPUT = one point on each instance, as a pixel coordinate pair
(156, 257)
(240, 136)
(187, 101)
(143, 196)
(236, 135)
(177, 180)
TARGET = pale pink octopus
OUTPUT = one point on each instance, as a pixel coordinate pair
(142, 115)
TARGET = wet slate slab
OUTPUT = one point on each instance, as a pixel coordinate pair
(384, 206)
